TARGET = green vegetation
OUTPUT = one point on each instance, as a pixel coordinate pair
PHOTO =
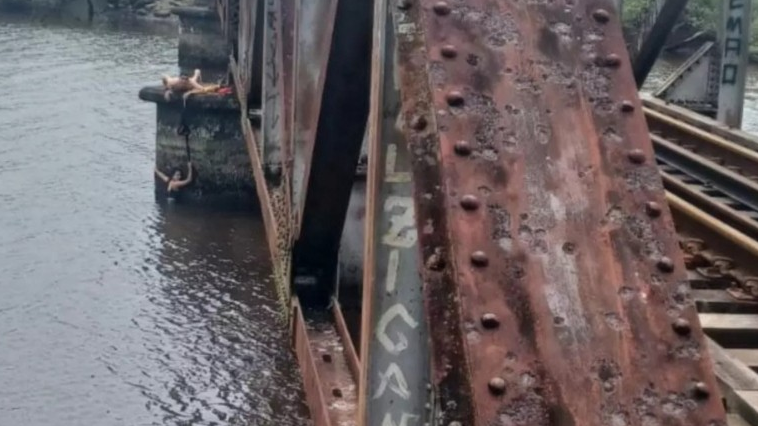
(700, 15)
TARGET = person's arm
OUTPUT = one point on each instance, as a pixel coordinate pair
(185, 182)
(161, 175)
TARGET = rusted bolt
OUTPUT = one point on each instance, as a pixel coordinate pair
(665, 264)
(497, 385)
(701, 391)
(681, 326)
(469, 202)
(435, 261)
(627, 106)
(419, 122)
(479, 258)
(403, 4)
(454, 98)
(612, 60)
(569, 247)
(653, 209)
(441, 8)
(448, 51)
(462, 148)
(636, 156)
(337, 393)
(601, 15)
(489, 320)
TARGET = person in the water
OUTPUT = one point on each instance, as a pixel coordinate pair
(175, 183)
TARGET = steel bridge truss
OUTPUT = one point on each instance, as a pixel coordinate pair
(520, 265)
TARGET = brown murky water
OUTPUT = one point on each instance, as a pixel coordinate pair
(115, 309)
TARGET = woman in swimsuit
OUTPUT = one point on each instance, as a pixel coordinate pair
(175, 182)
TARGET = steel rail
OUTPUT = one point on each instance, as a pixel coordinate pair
(727, 181)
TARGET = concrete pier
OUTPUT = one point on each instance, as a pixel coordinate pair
(217, 148)
(202, 44)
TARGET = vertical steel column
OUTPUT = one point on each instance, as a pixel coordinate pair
(395, 386)
(734, 36)
(315, 25)
(335, 154)
(656, 39)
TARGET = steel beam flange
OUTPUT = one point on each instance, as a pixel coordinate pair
(551, 291)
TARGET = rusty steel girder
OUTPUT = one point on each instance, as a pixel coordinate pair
(554, 289)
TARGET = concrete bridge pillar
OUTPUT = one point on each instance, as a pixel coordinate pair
(202, 43)
(216, 146)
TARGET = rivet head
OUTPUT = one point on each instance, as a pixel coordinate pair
(665, 264)
(681, 326)
(497, 385)
(701, 391)
(454, 98)
(490, 321)
(462, 148)
(469, 202)
(448, 51)
(636, 156)
(627, 106)
(441, 8)
(653, 209)
(419, 122)
(479, 258)
(403, 4)
(601, 15)
(611, 60)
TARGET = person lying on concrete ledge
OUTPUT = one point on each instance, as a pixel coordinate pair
(175, 183)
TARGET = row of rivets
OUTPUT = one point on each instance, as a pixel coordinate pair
(469, 202)
(681, 326)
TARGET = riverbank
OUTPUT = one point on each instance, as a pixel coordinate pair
(150, 15)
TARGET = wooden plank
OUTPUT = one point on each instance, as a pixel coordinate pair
(749, 357)
(719, 301)
(731, 330)
(731, 373)
(736, 420)
(745, 403)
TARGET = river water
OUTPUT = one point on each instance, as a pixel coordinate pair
(116, 309)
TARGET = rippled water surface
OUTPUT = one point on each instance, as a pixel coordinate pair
(115, 309)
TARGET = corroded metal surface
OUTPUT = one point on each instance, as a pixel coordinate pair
(534, 176)
(314, 397)
(313, 35)
(248, 20)
(394, 335)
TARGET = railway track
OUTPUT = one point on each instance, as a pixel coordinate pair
(711, 185)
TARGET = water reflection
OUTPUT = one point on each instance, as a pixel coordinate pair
(115, 309)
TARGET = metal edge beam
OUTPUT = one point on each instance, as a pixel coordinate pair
(341, 124)
(315, 27)
(395, 376)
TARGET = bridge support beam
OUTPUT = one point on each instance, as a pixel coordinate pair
(552, 276)
(653, 44)
(335, 153)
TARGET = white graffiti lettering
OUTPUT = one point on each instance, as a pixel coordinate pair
(404, 420)
(402, 232)
(397, 310)
(390, 175)
(399, 386)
